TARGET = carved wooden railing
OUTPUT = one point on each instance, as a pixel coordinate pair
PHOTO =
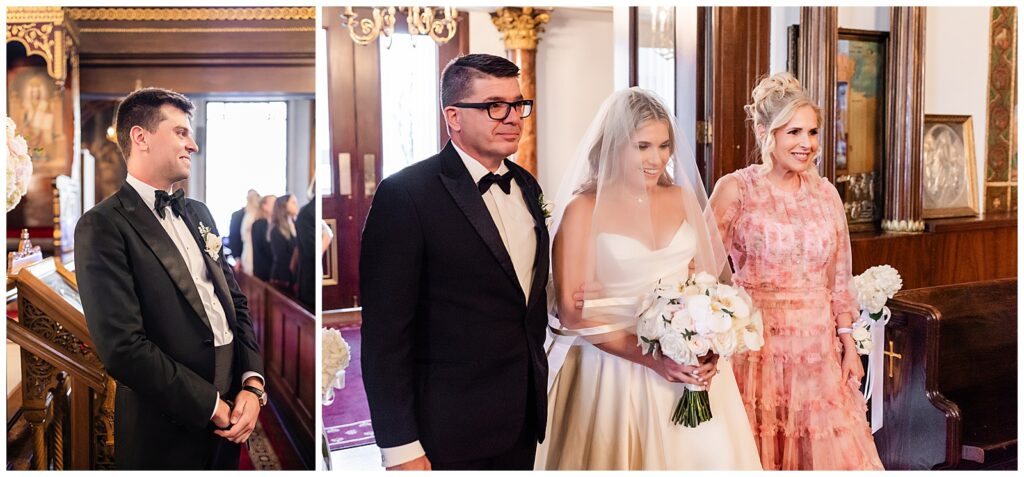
(67, 397)
(286, 333)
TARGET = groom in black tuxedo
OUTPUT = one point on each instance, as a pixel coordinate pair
(453, 268)
(167, 318)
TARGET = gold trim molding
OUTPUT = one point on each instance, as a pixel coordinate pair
(48, 40)
(200, 30)
(521, 27)
(35, 14)
(193, 14)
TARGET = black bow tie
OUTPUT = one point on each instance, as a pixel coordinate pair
(176, 201)
(504, 181)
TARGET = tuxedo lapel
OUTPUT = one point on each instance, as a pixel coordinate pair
(146, 225)
(463, 190)
(220, 284)
(532, 198)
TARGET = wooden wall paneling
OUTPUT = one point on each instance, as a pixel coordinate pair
(342, 120)
(819, 41)
(904, 121)
(739, 59)
(289, 354)
(954, 251)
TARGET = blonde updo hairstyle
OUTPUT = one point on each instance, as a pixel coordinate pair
(775, 100)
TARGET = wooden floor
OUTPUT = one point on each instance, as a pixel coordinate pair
(357, 458)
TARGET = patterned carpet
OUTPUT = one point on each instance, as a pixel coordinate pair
(347, 419)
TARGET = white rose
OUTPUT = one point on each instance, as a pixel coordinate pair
(675, 347)
(861, 334)
(705, 280)
(724, 291)
(691, 290)
(865, 347)
(698, 346)
(652, 327)
(681, 320)
(724, 343)
(213, 243)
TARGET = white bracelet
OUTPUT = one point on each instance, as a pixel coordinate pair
(844, 331)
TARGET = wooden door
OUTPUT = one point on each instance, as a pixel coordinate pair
(356, 160)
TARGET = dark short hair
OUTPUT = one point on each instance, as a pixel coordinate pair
(142, 108)
(459, 74)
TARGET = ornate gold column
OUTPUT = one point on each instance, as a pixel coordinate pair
(904, 127)
(819, 40)
(521, 28)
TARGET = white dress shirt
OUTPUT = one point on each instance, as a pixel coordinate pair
(515, 224)
(177, 230)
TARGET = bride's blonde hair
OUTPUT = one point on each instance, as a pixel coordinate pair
(775, 100)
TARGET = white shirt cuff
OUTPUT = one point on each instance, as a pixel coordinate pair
(249, 374)
(393, 456)
(216, 402)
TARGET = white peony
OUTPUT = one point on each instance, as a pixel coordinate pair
(336, 356)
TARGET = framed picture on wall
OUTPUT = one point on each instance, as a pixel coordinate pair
(860, 125)
(950, 175)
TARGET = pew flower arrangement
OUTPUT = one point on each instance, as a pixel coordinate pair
(336, 356)
(874, 288)
(19, 166)
(688, 321)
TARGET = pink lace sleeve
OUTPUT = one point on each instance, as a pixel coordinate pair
(730, 208)
(844, 297)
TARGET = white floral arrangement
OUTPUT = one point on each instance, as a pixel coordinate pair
(211, 242)
(874, 288)
(19, 166)
(336, 356)
(687, 321)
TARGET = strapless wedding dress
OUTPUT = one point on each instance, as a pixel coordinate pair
(605, 412)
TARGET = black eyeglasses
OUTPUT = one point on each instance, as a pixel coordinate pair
(499, 110)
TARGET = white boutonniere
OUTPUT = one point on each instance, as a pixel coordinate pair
(211, 241)
(545, 209)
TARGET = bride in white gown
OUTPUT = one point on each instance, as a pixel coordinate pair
(629, 214)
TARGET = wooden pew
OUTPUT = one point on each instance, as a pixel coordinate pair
(951, 378)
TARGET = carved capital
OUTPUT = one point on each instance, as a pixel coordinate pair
(521, 27)
(47, 32)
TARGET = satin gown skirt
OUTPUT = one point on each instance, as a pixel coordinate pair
(607, 413)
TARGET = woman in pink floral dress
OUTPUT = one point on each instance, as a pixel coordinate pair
(785, 229)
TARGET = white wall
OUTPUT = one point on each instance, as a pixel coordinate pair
(574, 75)
(864, 18)
(956, 70)
(782, 19)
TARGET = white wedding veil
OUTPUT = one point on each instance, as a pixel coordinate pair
(610, 188)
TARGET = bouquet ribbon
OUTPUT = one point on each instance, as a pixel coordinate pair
(876, 361)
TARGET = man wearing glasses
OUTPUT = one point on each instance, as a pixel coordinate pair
(453, 267)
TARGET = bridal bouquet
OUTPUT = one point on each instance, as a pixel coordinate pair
(336, 356)
(687, 321)
(874, 288)
(19, 166)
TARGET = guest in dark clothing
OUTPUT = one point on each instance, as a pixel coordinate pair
(282, 241)
(262, 256)
(306, 230)
(235, 228)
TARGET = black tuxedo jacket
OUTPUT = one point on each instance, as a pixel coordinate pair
(152, 333)
(235, 233)
(452, 350)
(262, 255)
